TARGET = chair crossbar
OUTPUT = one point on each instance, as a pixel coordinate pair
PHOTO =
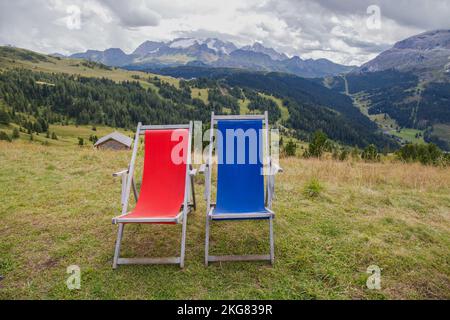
(168, 260)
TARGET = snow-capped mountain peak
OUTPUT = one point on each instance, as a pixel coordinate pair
(258, 47)
(211, 52)
(183, 43)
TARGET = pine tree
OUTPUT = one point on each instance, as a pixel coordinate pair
(15, 134)
(290, 149)
(4, 117)
(318, 144)
(370, 153)
(4, 136)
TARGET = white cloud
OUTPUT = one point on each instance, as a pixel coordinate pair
(133, 13)
(331, 29)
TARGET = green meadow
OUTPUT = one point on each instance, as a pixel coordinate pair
(333, 220)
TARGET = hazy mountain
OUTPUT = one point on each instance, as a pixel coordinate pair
(314, 68)
(112, 57)
(148, 47)
(426, 54)
(57, 55)
(247, 60)
(215, 53)
(216, 45)
(274, 55)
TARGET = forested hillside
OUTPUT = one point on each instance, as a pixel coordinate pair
(403, 97)
(311, 106)
(63, 98)
(34, 94)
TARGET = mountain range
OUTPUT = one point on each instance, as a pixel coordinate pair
(212, 52)
(426, 55)
(403, 93)
(406, 86)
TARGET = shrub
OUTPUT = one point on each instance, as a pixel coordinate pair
(312, 188)
(344, 154)
(318, 145)
(93, 138)
(428, 154)
(290, 149)
(370, 153)
(80, 141)
(355, 154)
(4, 136)
(54, 136)
(4, 117)
(15, 134)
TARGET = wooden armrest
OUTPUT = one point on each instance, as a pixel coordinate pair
(120, 173)
(277, 168)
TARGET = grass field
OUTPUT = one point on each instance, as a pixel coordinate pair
(409, 135)
(243, 106)
(201, 94)
(284, 110)
(334, 219)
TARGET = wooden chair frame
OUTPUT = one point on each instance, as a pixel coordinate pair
(269, 193)
(128, 183)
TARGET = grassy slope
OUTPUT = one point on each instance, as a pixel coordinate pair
(284, 110)
(243, 106)
(409, 135)
(201, 94)
(67, 135)
(442, 131)
(57, 204)
(75, 67)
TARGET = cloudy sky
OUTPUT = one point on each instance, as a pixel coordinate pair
(345, 31)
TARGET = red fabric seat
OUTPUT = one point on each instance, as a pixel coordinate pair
(164, 178)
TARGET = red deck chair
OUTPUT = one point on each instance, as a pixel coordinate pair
(166, 187)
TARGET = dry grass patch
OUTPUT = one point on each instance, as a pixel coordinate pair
(57, 203)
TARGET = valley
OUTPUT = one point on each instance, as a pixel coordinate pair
(401, 104)
(67, 91)
(386, 124)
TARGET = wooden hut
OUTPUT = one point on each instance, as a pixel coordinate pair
(114, 141)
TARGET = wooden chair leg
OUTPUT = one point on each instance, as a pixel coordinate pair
(193, 194)
(183, 239)
(207, 242)
(272, 245)
(118, 242)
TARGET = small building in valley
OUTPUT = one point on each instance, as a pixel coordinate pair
(114, 141)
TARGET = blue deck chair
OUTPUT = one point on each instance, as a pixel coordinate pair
(242, 194)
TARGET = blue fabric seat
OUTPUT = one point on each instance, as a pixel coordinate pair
(240, 179)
